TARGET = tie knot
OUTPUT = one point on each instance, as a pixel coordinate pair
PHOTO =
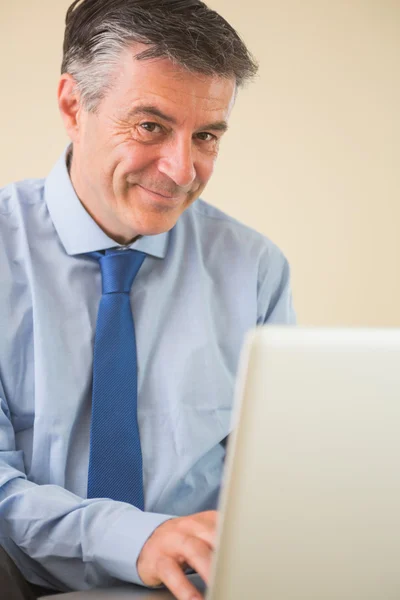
(119, 268)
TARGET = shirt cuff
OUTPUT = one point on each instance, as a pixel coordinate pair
(119, 548)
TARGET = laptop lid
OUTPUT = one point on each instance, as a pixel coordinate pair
(311, 500)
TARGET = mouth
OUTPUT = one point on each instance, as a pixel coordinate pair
(161, 197)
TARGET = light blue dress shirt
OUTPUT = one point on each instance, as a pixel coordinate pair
(203, 285)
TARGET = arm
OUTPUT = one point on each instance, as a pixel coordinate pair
(274, 290)
(67, 541)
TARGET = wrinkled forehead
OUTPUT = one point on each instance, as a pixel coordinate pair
(161, 81)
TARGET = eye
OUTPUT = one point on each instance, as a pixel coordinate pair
(151, 127)
(204, 136)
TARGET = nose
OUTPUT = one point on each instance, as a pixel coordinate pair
(177, 162)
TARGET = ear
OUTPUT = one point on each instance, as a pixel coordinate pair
(69, 105)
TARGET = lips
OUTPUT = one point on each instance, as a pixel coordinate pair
(168, 196)
(161, 198)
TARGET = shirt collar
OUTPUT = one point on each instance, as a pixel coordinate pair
(78, 232)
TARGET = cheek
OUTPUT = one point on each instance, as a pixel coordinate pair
(127, 164)
(135, 159)
(205, 168)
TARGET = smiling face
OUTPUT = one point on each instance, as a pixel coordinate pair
(148, 151)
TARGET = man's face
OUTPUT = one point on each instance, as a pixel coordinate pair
(149, 149)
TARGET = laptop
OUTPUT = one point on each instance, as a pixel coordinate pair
(310, 505)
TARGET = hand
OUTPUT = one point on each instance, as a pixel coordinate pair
(175, 545)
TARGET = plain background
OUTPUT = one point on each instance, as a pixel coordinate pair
(312, 156)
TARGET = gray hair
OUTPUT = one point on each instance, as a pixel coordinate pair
(185, 31)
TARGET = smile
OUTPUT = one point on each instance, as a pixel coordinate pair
(157, 193)
(161, 197)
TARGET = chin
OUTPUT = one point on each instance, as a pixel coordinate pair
(154, 226)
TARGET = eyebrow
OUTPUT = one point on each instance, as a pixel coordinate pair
(153, 111)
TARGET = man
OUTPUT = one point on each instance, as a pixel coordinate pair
(117, 477)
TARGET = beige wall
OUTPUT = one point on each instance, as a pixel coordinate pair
(313, 154)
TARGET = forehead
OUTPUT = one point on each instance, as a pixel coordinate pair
(160, 82)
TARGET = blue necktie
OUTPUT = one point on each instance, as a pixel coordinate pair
(115, 460)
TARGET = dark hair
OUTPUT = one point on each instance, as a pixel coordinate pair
(185, 31)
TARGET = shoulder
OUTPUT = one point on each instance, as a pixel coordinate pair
(219, 229)
(209, 215)
(232, 251)
(20, 193)
(18, 221)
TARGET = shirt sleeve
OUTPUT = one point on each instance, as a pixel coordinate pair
(64, 541)
(275, 301)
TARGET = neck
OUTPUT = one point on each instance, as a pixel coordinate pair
(124, 240)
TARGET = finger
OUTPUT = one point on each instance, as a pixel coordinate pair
(197, 555)
(173, 577)
(203, 528)
(210, 516)
(209, 536)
